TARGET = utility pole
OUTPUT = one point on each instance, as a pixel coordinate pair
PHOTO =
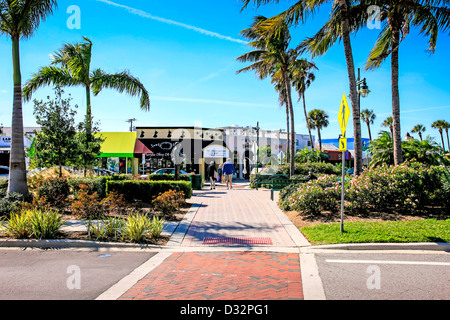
(130, 121)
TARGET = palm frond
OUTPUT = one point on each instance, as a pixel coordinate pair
(49, 76)
(122, 82)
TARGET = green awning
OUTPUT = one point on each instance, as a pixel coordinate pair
(118, 144)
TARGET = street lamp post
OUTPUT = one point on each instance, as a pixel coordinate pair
(257, 128)
(362, 87)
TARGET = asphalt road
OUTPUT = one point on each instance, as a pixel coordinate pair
(63, 275)
(385, 276)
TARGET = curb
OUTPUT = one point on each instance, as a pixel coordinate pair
(424, 246)
(74, 244)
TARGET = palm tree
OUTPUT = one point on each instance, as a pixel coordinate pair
(446, 127)
(18, 20)
(419, 129)
(398, 17)
(272, 57)
(318, 119)
(440, 125)
(298, 13)
(280, 88)
(302, 78)
(389, 123)
(368, 117)
(382, 150)
(71, 66)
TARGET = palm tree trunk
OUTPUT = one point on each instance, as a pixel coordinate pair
(370, 133)
(88, 113)
(288, 146)
(320, 139)
(420, 136)
(353, 92)
(448, 143)
(287, 83)
(88, 123)
(307, 121)
(397, 135)
(442, 139)
(18, 172)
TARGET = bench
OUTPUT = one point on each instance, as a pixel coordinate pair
(276, 182)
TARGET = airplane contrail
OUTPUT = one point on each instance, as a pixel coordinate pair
(147, 15)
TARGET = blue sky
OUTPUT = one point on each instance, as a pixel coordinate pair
(184, 52)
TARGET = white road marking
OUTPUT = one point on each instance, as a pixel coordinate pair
(424, 263)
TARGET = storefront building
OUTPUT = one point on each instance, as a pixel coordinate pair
(121, 152)
(191, 147)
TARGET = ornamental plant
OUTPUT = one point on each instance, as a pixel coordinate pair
(169, 202)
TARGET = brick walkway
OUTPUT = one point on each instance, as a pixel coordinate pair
(222, 276)
(192, 270)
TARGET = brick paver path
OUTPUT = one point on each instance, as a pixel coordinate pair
(196, 271)
(222, 276)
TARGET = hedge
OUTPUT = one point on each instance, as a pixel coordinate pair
(147, 191)
(168, 177)
(314, 167)
(96, 184)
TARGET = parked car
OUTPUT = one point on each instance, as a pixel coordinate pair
(168, 171)
(4, 173)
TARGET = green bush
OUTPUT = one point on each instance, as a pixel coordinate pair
(313, 197)
(138, 227)
(408, 189)
(3, 188)
(168, 177)
(9, 203)
(96, 184)
(314, 167)
(55, 191)
(147, 191)
(34, 224)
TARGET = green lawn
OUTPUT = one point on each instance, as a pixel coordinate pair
(380, 232)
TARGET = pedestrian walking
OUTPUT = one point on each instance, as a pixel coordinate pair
(213, 174)
(220, 173)
(228, 171)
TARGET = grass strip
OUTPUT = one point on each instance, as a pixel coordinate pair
(430, 230)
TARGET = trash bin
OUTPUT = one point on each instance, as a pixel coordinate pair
(196, 180)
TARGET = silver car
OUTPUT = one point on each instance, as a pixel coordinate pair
(4, 173)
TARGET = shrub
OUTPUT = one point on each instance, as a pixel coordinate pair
(169, 202)
(3, 188)
(137, 227)
(87, 206)
(55, 191)
(314, 197)
(18, 226)
(407, 188)
(114, 203)
(314, 167)
(168, 177)
(96, 184)
(34, 224)
(106, 229)
(156, 227)
(10, 203)
(44, 224)
(147, 191)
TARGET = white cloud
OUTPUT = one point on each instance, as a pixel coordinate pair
(147, 15)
